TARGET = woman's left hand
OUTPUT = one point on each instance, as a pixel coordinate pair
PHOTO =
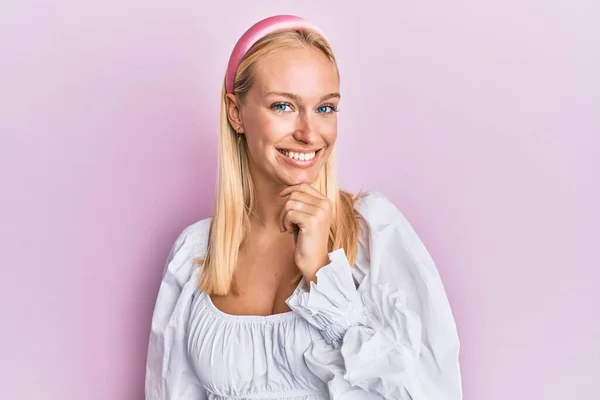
(307, 212)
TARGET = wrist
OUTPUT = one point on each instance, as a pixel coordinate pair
(311, 274)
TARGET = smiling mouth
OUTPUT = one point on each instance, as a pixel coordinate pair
(300, 156)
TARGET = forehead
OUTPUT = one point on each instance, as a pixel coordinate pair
(306, 72)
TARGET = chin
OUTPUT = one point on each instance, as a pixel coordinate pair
(300, 178)
(292, 175)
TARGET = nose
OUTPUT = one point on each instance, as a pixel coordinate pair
(306, 130)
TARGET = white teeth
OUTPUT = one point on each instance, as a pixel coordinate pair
(299, 156)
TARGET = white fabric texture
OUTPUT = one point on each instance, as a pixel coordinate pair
(382, 329)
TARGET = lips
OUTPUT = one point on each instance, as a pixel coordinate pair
(297, 155)
(305, 159)
(299, 150)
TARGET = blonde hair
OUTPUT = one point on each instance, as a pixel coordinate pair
(235, 198)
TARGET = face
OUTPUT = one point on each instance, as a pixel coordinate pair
(289, 116)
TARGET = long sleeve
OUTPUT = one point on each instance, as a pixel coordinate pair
(169, 374)
(394, 335)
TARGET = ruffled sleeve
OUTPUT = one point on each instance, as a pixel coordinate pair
(394, 335)
(169, 374)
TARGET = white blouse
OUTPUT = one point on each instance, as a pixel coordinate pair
(380, 329)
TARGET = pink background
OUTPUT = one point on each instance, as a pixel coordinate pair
(480, 122)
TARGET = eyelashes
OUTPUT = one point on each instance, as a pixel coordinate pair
(278, 107)
(331, 107)
(281, 107)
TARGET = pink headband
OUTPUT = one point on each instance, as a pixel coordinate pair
(257, 32)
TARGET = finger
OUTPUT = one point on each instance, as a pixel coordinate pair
(295, 217)
(302, 187)
(306, 198)
(308, 194)
(321, 202)
(295, 205)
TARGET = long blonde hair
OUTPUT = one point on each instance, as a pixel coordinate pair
(235, 197)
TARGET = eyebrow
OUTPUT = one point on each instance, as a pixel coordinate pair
(298, 98)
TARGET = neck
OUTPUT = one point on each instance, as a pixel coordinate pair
(268, 204)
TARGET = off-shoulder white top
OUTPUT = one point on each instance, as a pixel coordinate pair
(382, 329)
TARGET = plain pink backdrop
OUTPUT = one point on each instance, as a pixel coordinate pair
(479, 121)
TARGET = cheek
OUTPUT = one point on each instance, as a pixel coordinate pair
(329, 131)
(269, 129)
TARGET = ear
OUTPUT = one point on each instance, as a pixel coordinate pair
(234, 112)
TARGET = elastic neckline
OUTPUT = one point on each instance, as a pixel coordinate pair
(265, 319)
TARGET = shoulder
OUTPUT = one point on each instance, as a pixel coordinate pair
(194, 237)
(191, 244)
(391, 238)
(377, 209)
(387, 226)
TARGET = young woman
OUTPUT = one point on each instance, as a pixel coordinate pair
(295, 289)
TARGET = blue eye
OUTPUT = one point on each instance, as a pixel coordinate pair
(326, 109)
(281, 107)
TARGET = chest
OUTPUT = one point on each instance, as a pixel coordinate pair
(264, 279)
